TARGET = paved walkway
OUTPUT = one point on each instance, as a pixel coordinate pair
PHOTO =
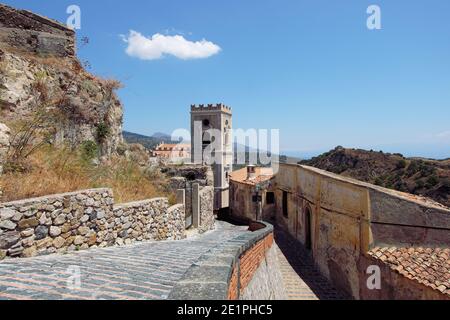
(146, 270)
(301, 278)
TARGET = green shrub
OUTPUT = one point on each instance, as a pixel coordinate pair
(103, 131)
(379, 182)
(420, 184)
(432, 181)
(89, 150)
(401, 164)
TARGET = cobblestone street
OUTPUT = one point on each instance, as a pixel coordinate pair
(145, 270)
(301, 278)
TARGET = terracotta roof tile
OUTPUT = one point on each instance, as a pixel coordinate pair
(262, 174)
(428, 266)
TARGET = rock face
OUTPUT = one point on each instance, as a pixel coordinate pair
(37, 58)
(4, 144)
(84, 219)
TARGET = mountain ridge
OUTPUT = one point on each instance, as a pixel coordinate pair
(420, 176)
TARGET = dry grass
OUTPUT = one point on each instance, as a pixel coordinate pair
(62, 170)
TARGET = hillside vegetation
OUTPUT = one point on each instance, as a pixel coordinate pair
(425, 177)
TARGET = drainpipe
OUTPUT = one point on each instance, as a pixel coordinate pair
(258, 204)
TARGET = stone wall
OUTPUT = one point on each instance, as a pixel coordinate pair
(186, 177)
(29, 32)
(241, 268)
(83, 219)
(259, 273)
(242, 206)
(339, 220)
(207, 219)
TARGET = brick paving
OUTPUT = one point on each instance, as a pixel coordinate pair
(146, 270)
(302, 279)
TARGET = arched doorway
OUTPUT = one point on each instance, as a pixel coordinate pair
(308, 234)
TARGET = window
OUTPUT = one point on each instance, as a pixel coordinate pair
(270, 198)
(285, 204)
(308, 233)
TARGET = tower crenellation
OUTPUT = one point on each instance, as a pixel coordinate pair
(211, 107)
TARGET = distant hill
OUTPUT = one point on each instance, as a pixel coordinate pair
(146, 141)
(426, 177)
(161, 135)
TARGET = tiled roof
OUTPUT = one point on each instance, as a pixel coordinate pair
(261, 175)
(428, 266)
(170, 146)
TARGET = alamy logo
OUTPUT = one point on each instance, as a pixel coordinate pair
(374, 20)
(74, 20)
(374, 280)
(73, 282)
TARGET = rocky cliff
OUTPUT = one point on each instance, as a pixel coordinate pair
(4, 144)
(39, 69)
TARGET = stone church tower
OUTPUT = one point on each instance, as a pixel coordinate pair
(211, 126)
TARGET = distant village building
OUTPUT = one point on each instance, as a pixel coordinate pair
(251, 194)
(173, 152)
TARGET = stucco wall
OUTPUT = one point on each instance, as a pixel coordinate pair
(242, 206)
(79, 220)
(394, 285)
(348, 217)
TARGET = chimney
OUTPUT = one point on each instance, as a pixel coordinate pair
(251, 172)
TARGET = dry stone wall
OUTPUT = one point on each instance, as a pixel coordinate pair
(187, 177)
(207, 219)
(84, 219)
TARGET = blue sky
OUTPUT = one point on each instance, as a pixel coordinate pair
(309, 68)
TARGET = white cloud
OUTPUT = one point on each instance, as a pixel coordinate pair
(158, 46)
(443, 135)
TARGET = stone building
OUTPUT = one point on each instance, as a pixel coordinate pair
(212, 144)
(28, 32)
(349, 227)
(173, 152)
(251, 194)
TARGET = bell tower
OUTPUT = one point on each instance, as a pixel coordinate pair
(211, 127)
